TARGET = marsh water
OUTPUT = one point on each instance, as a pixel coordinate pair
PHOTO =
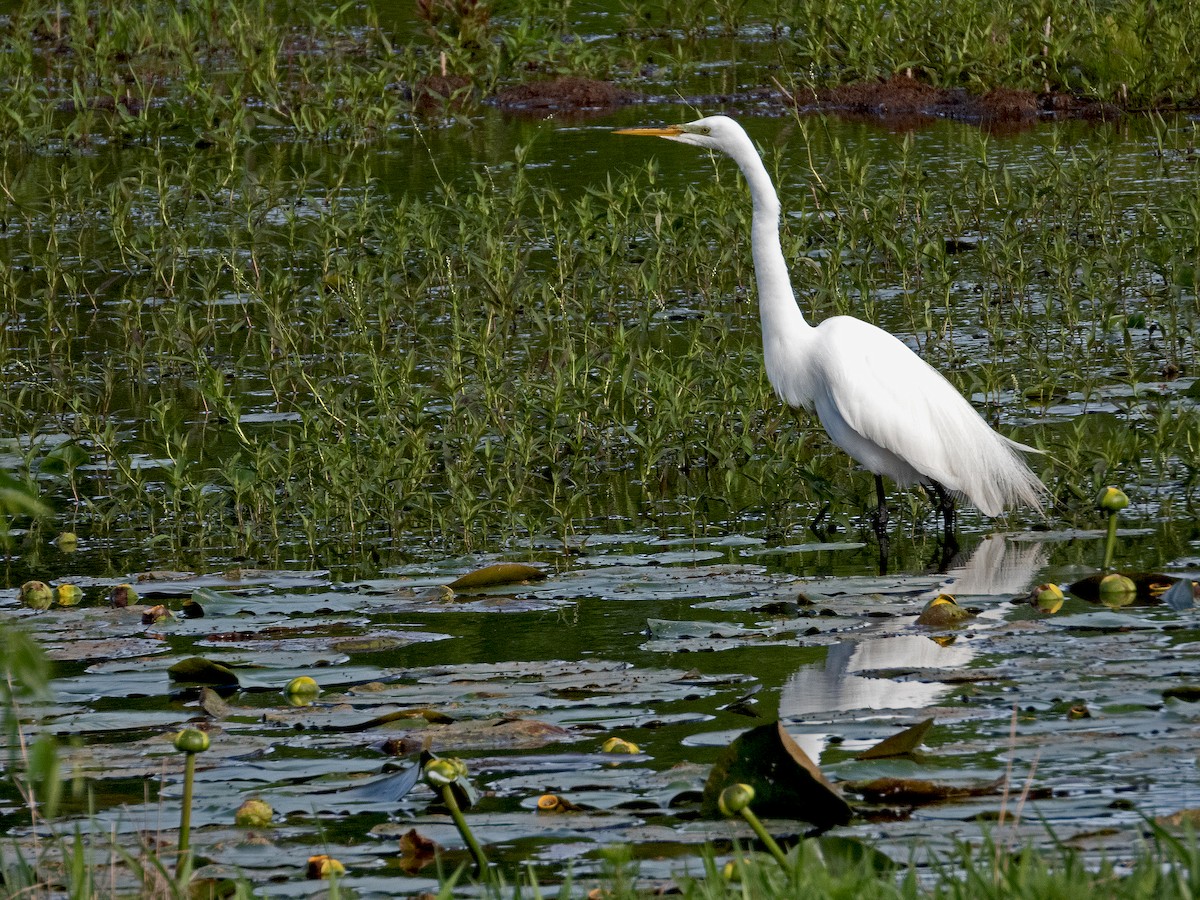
(663, 619)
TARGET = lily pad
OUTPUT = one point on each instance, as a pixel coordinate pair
(900, 744)
(495, 575)
(1149, 586)
(198, 670)
(785, 780)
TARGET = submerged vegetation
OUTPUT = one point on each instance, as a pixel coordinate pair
(288, 287)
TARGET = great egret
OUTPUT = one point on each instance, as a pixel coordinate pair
(877, 400)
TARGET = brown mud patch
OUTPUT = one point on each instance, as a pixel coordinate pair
(438, 93)
(905, 99)
(570, 93)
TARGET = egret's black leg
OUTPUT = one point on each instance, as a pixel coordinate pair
(946, 505)
(879, 519)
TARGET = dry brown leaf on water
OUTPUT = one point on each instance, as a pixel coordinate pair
(416, 851)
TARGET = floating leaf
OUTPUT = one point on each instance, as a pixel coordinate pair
(198, 670)
(390, 788)
(917, 791)
(900, 744)
(786, 782)
(213, 704)
(416, 852)
(1149, 587)
(498, 574)
(1189, 693)
(1181, 595)
(429, 715)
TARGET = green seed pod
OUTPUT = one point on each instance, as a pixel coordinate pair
(941, 612)
(302, 691)
(254, 813)
(323, 866)
(122, 595)
(1048, 598)
(619, 745)
(1117, 590)
(68, 595)
(1112, 499)
(191, 740)
(36, 594)
(155, 614)
(735, 798)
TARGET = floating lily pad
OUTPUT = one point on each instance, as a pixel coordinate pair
(1149, 586)
(900, 744)
(496, 575)
(198, 670)
(785, 781)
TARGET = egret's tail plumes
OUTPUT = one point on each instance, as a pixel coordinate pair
(999, 477)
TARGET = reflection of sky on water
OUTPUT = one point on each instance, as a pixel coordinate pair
(814, 692)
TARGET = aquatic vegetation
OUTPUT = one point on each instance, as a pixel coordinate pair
(265, 306)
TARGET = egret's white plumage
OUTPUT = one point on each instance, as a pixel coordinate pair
(878, 401)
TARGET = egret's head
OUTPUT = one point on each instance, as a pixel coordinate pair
(712, 132)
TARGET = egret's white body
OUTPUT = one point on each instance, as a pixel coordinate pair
(877, 400)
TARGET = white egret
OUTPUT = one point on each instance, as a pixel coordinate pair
(877, 400)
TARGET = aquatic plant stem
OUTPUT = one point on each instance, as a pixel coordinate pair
(737, 799)
(190, 741)
(1112, 500)
(460, 821)
(765, 837)
(1110, 541)
(185, 813)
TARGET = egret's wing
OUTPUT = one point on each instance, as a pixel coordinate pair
(898, 416)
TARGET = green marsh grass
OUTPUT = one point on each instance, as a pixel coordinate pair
(229, 339)
(293, 354)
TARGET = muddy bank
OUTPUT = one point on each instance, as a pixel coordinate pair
(900, 100)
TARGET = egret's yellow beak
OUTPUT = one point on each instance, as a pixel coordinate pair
(666, 131)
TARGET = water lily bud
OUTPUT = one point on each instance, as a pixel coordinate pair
(36, 594)
(155, 614)
(67, 542)
(254, 813)
(1048, 598)
(1112, 499)
(941, 612)
(619, 745)
(68, 595)
(735, 798)
(323, 866)
(1117, 590)
(440, 772)
(549, 803)
(302, 691)
(191, 740)
(732, 870)
(121, 596)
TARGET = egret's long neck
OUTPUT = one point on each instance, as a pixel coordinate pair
(776, 302)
